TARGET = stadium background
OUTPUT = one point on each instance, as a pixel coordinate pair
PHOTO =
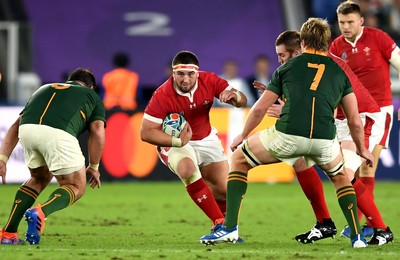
(40, 41)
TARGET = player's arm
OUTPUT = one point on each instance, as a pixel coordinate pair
(96, 141)
(255, 116)
(233, 97)
(395, 59)
(350, 108)
(6, 148)
(259, 86)
(275, 110)
(152, 133)
(95, 146)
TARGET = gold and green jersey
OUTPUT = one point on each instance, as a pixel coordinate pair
(67, 106)
(313, 85)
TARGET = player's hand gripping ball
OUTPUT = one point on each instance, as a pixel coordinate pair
(173, 124)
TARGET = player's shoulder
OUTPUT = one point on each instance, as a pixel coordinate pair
(207, 74)
(165, 89)
(208, 79)
(372, 30)
(338, 40)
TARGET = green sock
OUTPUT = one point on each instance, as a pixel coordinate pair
(237, 186)
(59, 199)
(24, 199)
(348, 204)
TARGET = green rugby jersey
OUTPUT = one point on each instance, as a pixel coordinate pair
(67, 106)
(312, 85)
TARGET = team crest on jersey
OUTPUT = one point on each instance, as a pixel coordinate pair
(367, 51)
(344, 56)
(206, 103)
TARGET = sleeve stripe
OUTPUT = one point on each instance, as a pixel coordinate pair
(152, 118)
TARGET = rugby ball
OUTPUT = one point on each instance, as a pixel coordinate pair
(173, 124)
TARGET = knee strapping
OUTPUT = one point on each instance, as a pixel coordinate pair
(174, 160)
(335, 170)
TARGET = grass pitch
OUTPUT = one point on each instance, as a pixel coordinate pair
(158, 220)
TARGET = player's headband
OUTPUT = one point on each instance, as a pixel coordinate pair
(187, 67)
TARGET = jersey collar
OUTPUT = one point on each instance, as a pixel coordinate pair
(189, 94)
(312, 51)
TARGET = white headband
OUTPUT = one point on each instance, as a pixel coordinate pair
(189, 67)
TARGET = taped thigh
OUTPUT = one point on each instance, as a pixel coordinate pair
(351, 160)
(249, 155)
(336, 169)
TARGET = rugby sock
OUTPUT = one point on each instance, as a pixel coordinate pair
(366, 203)
(348, 203)
(369, 183)
(237, 186)
(222, 206)
(312, 187)
(204, 199)
(24, 199)
(59, 199)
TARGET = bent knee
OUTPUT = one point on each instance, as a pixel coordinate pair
(185, 168)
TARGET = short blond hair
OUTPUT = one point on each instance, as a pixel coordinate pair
(316, 34)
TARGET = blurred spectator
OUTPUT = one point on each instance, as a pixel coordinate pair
(380, 14)
(326, 9)
(120, 84)
(370, 19)
(230, 73)
(168, 70)
(261, 73)
(394, 19)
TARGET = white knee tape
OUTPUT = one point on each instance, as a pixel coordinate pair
(176, 156)
(351, 160)
(335, 170)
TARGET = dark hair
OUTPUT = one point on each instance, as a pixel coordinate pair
(121, 60)
(291, 40)
(316, 34)
(83, 74)
(348, 7)
(185, 57)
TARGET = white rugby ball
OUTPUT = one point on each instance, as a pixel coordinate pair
(173, 124)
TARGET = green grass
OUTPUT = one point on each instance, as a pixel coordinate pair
(157, 220)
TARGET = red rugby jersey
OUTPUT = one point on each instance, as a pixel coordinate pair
(368, 57)
(365, 101)
(194, 106)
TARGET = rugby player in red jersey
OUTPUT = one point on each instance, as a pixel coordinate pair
(369, 52)
(196, 156)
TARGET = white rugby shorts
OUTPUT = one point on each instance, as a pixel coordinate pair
(207, 150)
(45, 145)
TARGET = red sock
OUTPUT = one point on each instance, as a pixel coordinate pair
(369, 183)
(202, 196)
(222, 206)
(366, 203)
(312, 187)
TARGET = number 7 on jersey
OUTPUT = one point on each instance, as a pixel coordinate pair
(320, 71)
